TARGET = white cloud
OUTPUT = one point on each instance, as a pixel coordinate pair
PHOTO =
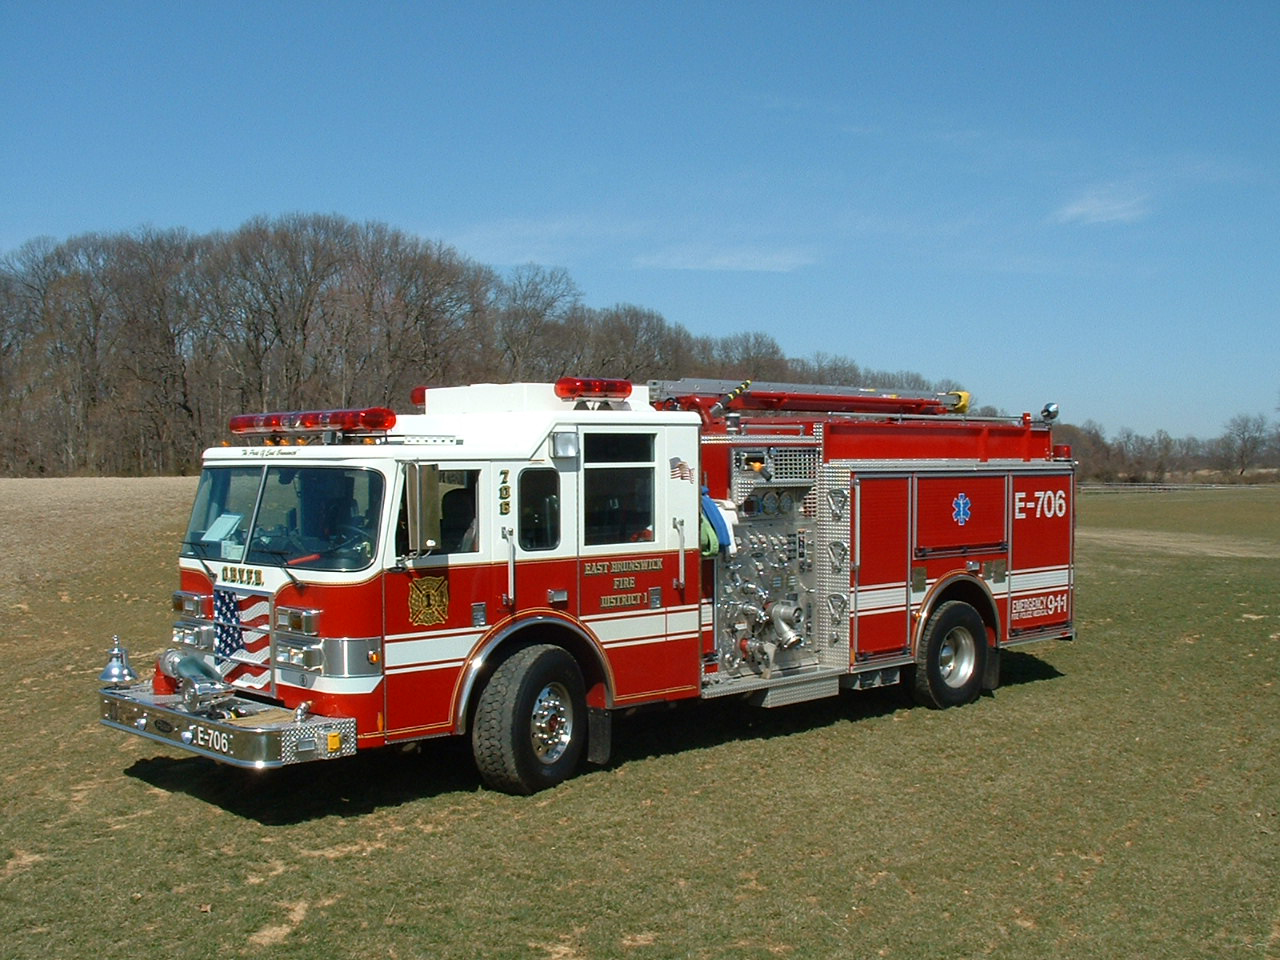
(564, 240)
(548, 241)
(1105, 204)
(744, 259)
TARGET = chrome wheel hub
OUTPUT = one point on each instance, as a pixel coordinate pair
(957, 657)
(551, 726)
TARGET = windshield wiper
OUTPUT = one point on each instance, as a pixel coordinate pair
(193, 545)
(284, 565)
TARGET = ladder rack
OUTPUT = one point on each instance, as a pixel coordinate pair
(714, 398)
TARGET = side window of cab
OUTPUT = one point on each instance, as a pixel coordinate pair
(459, 515)
(539, 504)
(618, 472)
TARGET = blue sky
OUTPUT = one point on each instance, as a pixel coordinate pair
(1076, 202)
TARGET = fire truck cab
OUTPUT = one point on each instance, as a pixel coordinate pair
(518, 561)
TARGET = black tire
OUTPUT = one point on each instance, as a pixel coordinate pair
(951, 657)
(530, 724)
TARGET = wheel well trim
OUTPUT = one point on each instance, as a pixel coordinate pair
(959, 586)
(508, 633)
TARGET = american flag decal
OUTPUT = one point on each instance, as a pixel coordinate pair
(242, 643)
(681, 470)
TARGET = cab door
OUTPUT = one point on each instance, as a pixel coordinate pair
(438, 607)
(881, 534)
(534, 537)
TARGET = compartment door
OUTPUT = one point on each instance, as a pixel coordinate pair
(881, 566)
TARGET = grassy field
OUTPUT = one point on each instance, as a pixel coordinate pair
(1117, 797)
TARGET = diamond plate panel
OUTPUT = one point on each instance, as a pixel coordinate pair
(833, 507)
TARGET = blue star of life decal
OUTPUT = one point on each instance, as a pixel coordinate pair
(961, 506)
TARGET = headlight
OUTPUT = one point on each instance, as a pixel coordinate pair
(190, 604)
(198, 635)
(309, 657)
(295, 620)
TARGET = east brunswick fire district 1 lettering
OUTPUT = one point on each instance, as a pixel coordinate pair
(614, 567)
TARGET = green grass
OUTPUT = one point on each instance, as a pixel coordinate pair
(1117, 797)
(1252, 512)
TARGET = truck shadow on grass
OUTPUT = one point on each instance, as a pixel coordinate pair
(351, 787)
(391, 777)
(689, 725)
(1017, 668)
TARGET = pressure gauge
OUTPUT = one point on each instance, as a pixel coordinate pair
(786, 502)
(769, 504)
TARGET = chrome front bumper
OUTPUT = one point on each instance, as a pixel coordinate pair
(236, 731)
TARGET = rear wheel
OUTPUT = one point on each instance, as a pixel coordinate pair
(530, 723)
(951, 657)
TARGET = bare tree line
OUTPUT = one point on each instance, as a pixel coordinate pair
(125, 354)
(1249, 442)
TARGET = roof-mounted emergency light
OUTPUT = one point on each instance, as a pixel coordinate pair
(592, 388)
(368, 420)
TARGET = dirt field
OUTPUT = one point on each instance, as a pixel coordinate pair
(1177, 544)
(83, 560)
(41, 520)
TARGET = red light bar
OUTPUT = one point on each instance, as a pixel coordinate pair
(418, 396)
(368, 420)
(592, 388)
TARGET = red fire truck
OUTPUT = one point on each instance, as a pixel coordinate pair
(519, 561)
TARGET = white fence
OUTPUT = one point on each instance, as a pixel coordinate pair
(1092, 487)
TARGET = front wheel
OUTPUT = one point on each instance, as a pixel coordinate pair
(531, 721)
(951, 656)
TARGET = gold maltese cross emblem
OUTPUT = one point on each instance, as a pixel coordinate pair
(428, 601)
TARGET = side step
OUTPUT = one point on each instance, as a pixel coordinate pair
(813, 689)
(781, 691)
(869, 679)
(778, 691)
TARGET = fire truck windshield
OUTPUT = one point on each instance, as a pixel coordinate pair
(318, 518)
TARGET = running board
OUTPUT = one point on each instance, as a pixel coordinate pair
(780, 691)
(814, 689)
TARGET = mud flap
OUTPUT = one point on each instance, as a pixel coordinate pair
(599, 735)
(991, 674)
